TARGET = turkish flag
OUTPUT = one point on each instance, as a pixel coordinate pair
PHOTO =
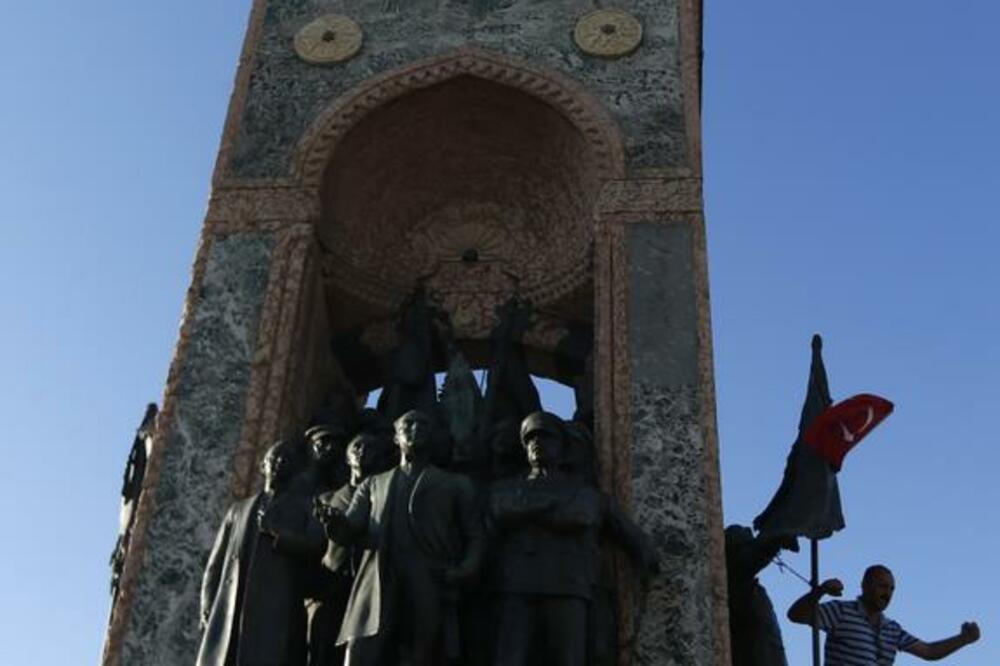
(842, 426)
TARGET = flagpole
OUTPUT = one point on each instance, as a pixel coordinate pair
(814, 581)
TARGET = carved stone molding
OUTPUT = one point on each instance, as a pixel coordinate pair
(280, 321)
(657, 195)
(563, 94)
(245, 209)
(509, 257)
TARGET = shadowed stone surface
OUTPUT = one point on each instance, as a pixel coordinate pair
(641, 90)
(193, 489)
(669, 495)
(668, 500)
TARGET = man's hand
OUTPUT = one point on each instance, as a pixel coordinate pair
(832, 586)
(941, 649)
(334, 522)
(803, 611)
(265, 523)
(969, 632)
(331, 517)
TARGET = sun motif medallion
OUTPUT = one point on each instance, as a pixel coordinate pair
(608, 33)
(331, 38)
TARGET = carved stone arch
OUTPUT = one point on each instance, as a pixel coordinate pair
(471, 172)
(319, 142)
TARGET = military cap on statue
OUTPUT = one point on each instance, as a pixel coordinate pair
(541, 421)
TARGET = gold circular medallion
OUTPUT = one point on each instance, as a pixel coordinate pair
(330, 38)
(608, 33)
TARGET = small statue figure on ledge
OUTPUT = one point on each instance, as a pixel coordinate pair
(410, 381)
(547, 563)
(135, 471)
(252, 597)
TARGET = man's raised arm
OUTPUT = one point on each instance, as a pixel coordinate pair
(804, 608)
(943, 648)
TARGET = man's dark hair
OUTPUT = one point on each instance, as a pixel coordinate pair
(875, 569)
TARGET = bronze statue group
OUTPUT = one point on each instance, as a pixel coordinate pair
(450, 528)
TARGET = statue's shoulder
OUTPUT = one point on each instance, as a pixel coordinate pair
(381, 479)
(240, 508)
(454, 479)
(508, 485)
(338, 497)
(244, 504)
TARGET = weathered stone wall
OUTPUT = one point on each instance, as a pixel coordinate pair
(670, 493)
(195, 461)
(643, 90)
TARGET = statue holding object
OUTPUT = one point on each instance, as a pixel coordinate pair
(252, 596)
(331, 585)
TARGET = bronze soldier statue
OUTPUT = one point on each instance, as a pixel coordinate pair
(252, 610)
(425, 539)
(547, 564)
(327, 441)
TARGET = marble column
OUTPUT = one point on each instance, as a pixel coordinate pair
(656, 414)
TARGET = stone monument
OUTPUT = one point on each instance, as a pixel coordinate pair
(476, 153)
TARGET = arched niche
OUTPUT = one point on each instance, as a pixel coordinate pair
(474, 176)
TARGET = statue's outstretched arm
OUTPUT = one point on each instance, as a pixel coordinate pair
(351, 525)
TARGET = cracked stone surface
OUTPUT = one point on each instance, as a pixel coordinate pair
(193, 491)
(670, 497)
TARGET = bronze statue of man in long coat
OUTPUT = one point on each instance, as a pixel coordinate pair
(252, 610)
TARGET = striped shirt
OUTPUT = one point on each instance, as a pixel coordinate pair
(851, 640)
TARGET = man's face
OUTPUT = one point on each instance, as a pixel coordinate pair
(277, 468)
(542, 449)
(325, 444)
(412, 434)
(361, 454)
(877, 589)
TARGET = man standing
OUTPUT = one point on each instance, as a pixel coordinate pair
(857, 632)
(332, 585)
(425, 538)
(327, 442)
(251, 597)
(547, 525)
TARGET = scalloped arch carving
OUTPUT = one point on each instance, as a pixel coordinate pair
(472, 174)
(571, 99)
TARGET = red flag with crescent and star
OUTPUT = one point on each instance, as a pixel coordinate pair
(840, 427)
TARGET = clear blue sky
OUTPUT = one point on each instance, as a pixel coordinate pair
(851, 180)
